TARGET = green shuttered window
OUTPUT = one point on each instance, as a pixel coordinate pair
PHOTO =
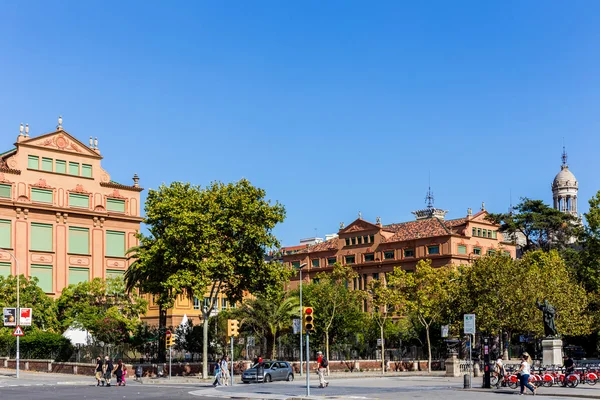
(46, 164)
(78, 275)
(60, 167)
(79, 200)
(5, 269)
(44, 275)
(73, 168)
(115, 244)
(41, 195)
(115, 205)
(41, 237)
(79, 240)
(33, 162)
(86, 170)
(462, 249)
(6, 191)
(5, 234)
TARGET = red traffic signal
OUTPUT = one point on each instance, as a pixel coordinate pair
(168, 334)
(308, 310)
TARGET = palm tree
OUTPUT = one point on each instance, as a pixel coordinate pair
(146, 273)
(270, 317)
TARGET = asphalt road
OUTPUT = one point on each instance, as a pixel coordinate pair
(65, 387)
(79, 392)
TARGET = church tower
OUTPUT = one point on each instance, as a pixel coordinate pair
(564, 189)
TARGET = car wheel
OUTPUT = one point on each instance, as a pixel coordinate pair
(267, 378)
(290, 378)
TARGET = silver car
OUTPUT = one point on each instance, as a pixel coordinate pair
(269, 371)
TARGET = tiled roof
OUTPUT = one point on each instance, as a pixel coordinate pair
(421, 229)
(330, 244)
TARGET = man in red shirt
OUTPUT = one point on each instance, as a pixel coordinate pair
(322, 364)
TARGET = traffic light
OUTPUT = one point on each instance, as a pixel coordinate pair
(232, 327)
(169, 339)
(308, 318)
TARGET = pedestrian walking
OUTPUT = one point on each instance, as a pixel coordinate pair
(108, 370)
(525, 371)
(139, 372)
(119, 372)
(99, 365)
(217, 380)
(225, 370)
(322, 365)
(123, 379)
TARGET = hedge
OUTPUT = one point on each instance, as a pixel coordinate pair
(37, 345)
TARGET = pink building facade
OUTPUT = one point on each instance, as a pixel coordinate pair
(61, 216)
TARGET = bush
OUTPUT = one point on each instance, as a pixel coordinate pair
(37, 345)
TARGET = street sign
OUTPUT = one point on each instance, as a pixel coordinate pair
(10, 316)
(445, 330)
(379, 342)
(250, 340)
(25, 319)
(296, 325)
(469, 321)
(18, 331)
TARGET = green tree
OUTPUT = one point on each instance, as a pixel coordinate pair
(545, 276)
(489, 288)
(586, 262)
(336, 306)
(386, 300)
(209, 242)
(542, 227)
(429, 294)
(30, 296)
(103, 308)
(269, 317)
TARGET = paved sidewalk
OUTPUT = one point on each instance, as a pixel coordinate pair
(581, 391)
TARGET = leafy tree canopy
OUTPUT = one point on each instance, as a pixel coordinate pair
(541, 226)
(30, 295)
(101, 307)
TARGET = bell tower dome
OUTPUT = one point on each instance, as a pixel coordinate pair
(565, 188)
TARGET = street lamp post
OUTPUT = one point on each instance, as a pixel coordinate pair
(300, 269)
(18, 304)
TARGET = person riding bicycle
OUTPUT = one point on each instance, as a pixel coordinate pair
(500, 371)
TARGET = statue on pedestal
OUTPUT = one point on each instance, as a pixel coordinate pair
(549, 315)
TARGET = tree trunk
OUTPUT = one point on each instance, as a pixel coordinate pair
(274, 347)
(428, 348)
(382, 350)
(327, 350)
(162, 329)
(204, 344)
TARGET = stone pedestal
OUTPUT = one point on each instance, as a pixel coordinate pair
(552, 352)
(453, 366)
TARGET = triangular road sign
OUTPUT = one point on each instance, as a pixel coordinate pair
(18, 331)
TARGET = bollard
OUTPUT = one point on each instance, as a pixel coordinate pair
(467, 383)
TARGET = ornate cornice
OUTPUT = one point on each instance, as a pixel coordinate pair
(13, 171)
(119, 186)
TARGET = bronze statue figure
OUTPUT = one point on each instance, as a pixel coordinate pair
(549, 314)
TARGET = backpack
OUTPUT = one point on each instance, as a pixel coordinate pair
(324, 363)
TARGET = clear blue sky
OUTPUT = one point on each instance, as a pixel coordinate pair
(332, 107)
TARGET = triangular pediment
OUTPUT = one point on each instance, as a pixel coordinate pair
(359, 225)
(60, 140)
(480, 217)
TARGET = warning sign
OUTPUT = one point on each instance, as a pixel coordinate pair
(18, 331)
